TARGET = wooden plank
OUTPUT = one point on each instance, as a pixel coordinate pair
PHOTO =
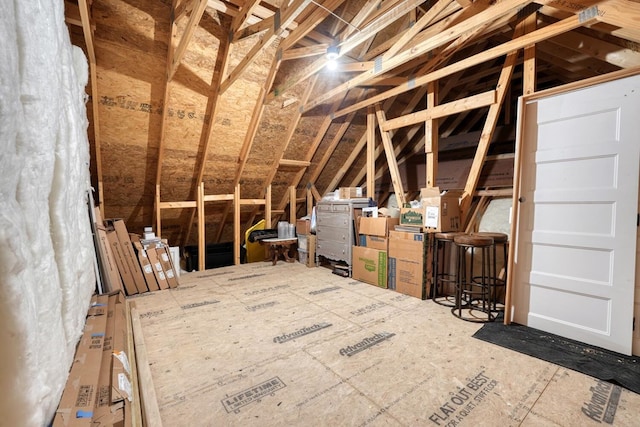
(149, 400)
(346, 166)
(194, 20)
(252, 202)
(371, 148)
(391, 158)
(267, 207)
(309, 202)
(489, 127)
(245, 12)
(453, 107)
(236, 226)
(290, 13)
(542, 34)
(176, 205)
(158, 211)
(529, 65)
(493, 12)
(292, 204)
(431, 136)
(218, 197)
(295, 163)
(201, 228)
(305, 52)
(310, 22)
(136, 409)
(426, 20)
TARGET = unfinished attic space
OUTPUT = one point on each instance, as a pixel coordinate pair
(319, 213)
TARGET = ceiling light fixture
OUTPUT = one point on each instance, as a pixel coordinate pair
(333, 51)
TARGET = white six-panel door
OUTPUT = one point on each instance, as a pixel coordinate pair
(576, 244)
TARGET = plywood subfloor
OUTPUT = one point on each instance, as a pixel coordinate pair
(262, 345)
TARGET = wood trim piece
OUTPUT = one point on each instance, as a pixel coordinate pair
(236, 226)
(431, 136)
(371, 148)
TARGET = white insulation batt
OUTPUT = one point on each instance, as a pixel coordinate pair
(46, 247)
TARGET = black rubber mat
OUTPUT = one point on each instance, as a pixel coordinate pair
(594, 361)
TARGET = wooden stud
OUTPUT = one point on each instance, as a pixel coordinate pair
(489, 128)
(431, 136)
(295, 163)
(371, 148)
(267, 207)
(201, 228)
(245, 12)
(236, 226)
(292, 204)
(136, 409)
(176, 205)
(309, 202)
(529, 66)
(391, 158)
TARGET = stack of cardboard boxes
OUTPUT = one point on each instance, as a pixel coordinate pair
(100, 389)
(369, 258)
(398, 255)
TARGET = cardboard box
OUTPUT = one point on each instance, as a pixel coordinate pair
(369, 266)
(130, 255)
(167, 265)
(158, 270)
(412, 216)
(111, 276)
(81, 392)
(374, 231)
(121, 262)
(145, 265)
(349, 192)
(441, 211)
(409, 263)
(303, 226)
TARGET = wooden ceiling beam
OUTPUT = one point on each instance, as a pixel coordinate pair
(491, 13)
(542, 34)
(288, 15)
(244, 14)
(194, 21)
(310, 23)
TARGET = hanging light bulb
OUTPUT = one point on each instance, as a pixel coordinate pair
(333, 52)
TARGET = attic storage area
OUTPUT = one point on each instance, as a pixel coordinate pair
(200, 118)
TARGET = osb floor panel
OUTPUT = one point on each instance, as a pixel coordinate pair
(287, 345)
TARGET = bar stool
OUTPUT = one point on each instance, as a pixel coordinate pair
(444, 269)
(499, 239)
(473, 288)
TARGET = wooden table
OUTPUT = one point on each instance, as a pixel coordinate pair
(278, 247)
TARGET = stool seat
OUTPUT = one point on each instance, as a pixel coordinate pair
(472, 240)
(497, 237)
(448, 235)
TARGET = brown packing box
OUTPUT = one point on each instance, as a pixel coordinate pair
(81, 391)
(349, 192)
(409, 263)
(441, 212)
(105, 414)
(303, 226)
(413, 217)
(374, 232)
(169, 272)
(111, 276)
(369, 266)
(121, 262)
(145, 265)
(130, 254)
(158, 271)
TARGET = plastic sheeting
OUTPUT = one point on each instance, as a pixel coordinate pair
(46, 248)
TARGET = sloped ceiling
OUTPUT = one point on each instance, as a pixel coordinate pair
(237, 92)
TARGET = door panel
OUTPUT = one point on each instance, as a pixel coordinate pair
(577, 227)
